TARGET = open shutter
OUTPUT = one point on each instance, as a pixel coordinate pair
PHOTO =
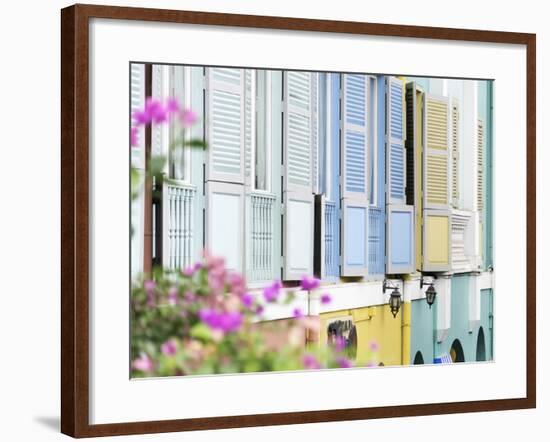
(225, 169)
(298, 196)
(400, 217)
(414, 146)
(395, 142)
(480, 164)
(137, 102)
(354, 226)
(437, 216)
(436, 158)
(455, 154)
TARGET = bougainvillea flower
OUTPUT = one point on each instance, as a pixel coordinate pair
(172, 106)
(373, 346)
(310, 362)
(169, 348)
(247, 300)
(344, 362)
(143, 363)
(297, 313)
(187, 118)
(141, 117)
(237, 283)
(271, 293)
(309, 283)
(340, 343)
(259, 310)
(223, 321)
(173, 296)
(325, 298)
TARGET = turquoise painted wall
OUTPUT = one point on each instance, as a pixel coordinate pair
(460, 285)
(422, 330)
(487, 321)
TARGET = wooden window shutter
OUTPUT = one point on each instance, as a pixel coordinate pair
(354, 227)
(455, 153)
(436, 174)
(480, 164)
(297, 177)
(400, 252)
(225, 122)
(395, 142)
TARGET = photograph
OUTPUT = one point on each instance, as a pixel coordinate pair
(301, 220)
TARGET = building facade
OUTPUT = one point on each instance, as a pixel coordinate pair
(370, 182)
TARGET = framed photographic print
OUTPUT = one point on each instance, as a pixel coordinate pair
(272, 220)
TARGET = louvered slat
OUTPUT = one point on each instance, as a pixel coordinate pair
(437, 144)
(479, 160)
(226, 124)
(455, 154)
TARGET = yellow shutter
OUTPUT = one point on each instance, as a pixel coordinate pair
(437, 147)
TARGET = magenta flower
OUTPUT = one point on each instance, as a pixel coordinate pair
(373, 346)
(259, 310)
(310, 362)
(169, 348)
(187, 118)
(340, 343)
(237, 283)
(134, 139)
(141, 117)
(191, 270)
(223, 321)
(143, 363)
(172, 106)
(248, 300)
(309, 283)
(297, 313)
(344, 362)
(271, 293)
(149, 285)
(326, 299)
(190, 297)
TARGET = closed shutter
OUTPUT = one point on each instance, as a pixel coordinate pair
(250, 123)
(400, 217)
(436, 174)
(354, 227)
(455, 153)
(225, 117)
(436, 251)
(297, 180)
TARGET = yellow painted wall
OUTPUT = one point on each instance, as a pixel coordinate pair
(373, 324)
(437, 241)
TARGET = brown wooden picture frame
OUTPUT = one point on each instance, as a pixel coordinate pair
(75, 218)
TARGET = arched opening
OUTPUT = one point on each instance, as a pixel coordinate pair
(457, 353)
(481, 354)
(418, 358)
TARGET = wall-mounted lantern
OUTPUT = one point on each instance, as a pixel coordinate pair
(430, 292)
(395, 297)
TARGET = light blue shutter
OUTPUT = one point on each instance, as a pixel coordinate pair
(297, 158)
(225, 122)
(354, 205)
(400, 246)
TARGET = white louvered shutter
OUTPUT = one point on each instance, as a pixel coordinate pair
(297, 157)
(226, 140)
(480, 164)
(395, 146)
(436, 165)
(455, 154)
(354, 227)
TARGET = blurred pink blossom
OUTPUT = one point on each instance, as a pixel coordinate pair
(271, 293)
(143, 363)
(222, 321)
(187, 118)
(326, 298)
(373, 346)
(247, 300)
(172, 105)
(169, 348)
(310, 362)
(134, 139)
(309, 283)
(344, 362)
(173, 295)
(297, 313)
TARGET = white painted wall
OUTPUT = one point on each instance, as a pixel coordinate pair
(32, 337)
